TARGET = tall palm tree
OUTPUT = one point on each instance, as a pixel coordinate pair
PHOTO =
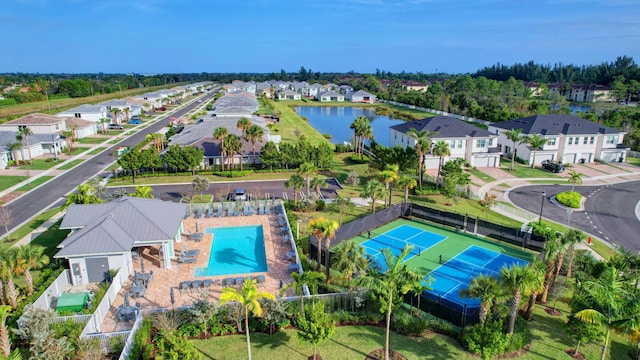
(13, 147)
(30, 257)
(571, 238)
(103, 124)
(367, 134)
(396, 280)
(536, 142)
(126, 112)
(358, 126)
(539, 268)
(318, 183)
(143, 191)
(607, 301)
(323, 228)
(219, 134)
(407, 183)
(518, 281)
(374, 190)
(388, 176)
(441, 150)
(255, 134)
(8, 265)
(306, 170)
(232, 146)
(551, 251)
(68, 135)
(350, 259)
(423, 147)
(310, 278)
(5, 341)
(26, 132)
(575, 178)
(515, 136)
(486, 288)
(249, 297)
(19, 139)
(296, 182)
(86, 194)
(243, 125)
(419, 287)
(116, 115)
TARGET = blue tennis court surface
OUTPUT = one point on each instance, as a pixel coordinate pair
(397, 239)
(456, 273)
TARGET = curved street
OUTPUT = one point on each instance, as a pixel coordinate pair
(609, 210)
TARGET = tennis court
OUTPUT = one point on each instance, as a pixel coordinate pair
(455, 274)
(397, 239)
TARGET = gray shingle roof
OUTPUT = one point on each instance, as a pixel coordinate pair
(116, 226)
(447, 127)
(86, 108)
(556, 124)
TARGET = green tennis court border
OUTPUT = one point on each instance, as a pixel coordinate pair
(454, 244)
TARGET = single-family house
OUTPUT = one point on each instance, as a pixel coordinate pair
(39, 144)
(288, 95)
(103, 235)
(311, 91)
(478, 147)
(570, 139)
(82, 128)
(87, 112)
(330, 96)
(37, 123)
(361, 96)
(582, 92)
(345, 89)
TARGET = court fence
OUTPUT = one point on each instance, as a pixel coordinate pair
(437, 305)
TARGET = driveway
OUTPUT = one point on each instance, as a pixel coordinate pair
(610, 210)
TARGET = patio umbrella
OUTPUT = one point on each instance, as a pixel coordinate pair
(126, 299)
(172, 297)
(141, 264)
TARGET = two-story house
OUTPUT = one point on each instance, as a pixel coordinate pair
(570, 139)
(478, 147)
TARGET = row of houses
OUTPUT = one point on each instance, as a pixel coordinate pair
(287, 90)
(569, 140)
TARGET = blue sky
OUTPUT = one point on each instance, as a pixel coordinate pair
(453, 36)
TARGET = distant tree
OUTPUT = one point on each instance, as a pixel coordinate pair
(515, 135)
(423, 147)
(318, 183)
(193, 157)
(132, 161)
(6, 216)
(84, 195)
(255, 134)
(407, 183)
(232, 146)
(13, 147)
(536, 142)
(200, 184)
(488, 202)
(270, 155)
(219, 134)
(373, 190)
(19, 139)
(151, 159)
(575, 178)
(307, 170)
(341, 205)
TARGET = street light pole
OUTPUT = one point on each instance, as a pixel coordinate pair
(298, 221)
(544, 194)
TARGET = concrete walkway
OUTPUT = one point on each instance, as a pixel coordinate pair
(39, 230)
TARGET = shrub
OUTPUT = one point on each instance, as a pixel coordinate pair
(327, 136)
(320, 205)
(488, 341)
(342, 148)
(571, 199)
(142, 348)
(232, 173)
(404, 323)
(353, 178)
(357, 159)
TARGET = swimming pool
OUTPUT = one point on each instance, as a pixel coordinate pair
(235, 250)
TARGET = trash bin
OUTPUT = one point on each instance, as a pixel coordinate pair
(583, 160)
(457, 228)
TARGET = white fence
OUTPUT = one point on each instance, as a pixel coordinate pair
(634, 154)
(93, 326)
(515, 213)
(54, 290)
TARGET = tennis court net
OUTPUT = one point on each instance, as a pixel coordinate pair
(465, 266)
(399, 244)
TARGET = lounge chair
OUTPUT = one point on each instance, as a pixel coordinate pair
(196, 284)
(260, 279)
(293, 267)
(219, 213)
(228, 282)
(189, 260)
(199, 213)
(207, 283)
(189, 253)
(261, 210)
(210, 212)
(185, 285)
(291, 254)
(239, 281)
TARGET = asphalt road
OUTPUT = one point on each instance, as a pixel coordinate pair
(54, 191)
(609, 211)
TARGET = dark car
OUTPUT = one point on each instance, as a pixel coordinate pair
(552, 166)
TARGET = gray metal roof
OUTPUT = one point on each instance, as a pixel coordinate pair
(556, 124)
(193, 134)
(447, 127)
(116, 226)
(86, 108)
(115, 103)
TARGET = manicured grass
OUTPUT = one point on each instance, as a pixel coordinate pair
(480, 175)
(35, 182)
(33, 224)
(290, 121)
(200, 199)
(76, 151)
(348, 342)
(91, 140)
(38, 164)
(188, 178)
(633, 161)
(342, 166)
(9, 181)
(525, 171)
(70, 164)
(602, 249)
(96, 151)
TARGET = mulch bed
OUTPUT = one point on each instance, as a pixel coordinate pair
(378, 354)
(577, 356)
(552, 312)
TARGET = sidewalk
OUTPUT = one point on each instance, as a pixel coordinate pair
(39, 230)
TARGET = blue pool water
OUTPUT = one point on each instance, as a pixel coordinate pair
(235, 250)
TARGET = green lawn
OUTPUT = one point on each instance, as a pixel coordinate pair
(525, 171)
(96, 151)
(290, 122)
(76, 151)
(38, 164)
(9, 181)
(480, 175)
(33, 224)
(91, 140)
(633, 161)
(34, 183)
(70, 164)
(188, 178)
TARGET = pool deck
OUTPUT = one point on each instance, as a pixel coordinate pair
(157, 294)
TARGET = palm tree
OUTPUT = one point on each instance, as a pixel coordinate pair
(13, 147)
(418, 288)
(518, 281)
(422, 146)
(374, 190)
(574, 178)
(116, 115)
(30, 257)
(388, 176)
(323, 228)
(296, 182)
(19, 139)
(486, 288)
(539, 268)
(607, 301)
(572, 237)
(146, 107)
(248, 297)
(68, 135)
(514, 136)
(536, 142)
(126, 113)
(143, 191)
(26, 132)
(232, 146)
(441, 150)
(243, 125)
(306, 170)
(358, 126)
(551, 251)
(5, 341)
(318, 183)
(407, 182)
(350, 259)
(219, 134)
(367, 133)
(8, 265)
(84, 195)
(312, 279)
(567, 242)
(396, 280)
(103, 124)
(255, 134)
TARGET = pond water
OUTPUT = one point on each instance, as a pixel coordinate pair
(335, 120)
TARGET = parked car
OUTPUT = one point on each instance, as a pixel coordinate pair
(135, 122)
(238, 195)
(552, 166)
(116, 127)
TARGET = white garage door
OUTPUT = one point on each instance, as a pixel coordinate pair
(482, 162)
(542, 157)
(569, 159)
(609, 156)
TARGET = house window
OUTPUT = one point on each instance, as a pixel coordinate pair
(21, 127)
(490, 142)
(570, 141)
(500, 147)
(78, 115)
(551, 141)
(612, 140)
(592, 140)
(402, 140)
(57, 126)
(585, 141)
(481, 143)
